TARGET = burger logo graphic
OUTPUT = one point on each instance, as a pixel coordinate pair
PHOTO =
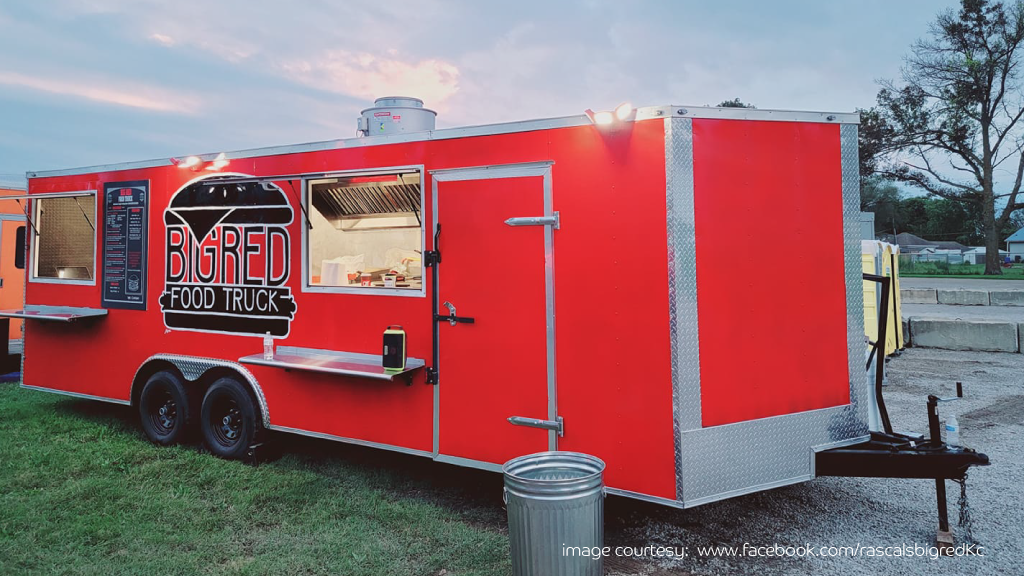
(227, 262)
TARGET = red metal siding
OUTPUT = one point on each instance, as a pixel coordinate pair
(770, 275)
(614, 383)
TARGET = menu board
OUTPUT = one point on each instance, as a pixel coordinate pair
(125, 244)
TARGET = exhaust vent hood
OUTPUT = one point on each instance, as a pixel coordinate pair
(369, 202)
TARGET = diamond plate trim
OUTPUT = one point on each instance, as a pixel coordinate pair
(859, 393)
(725, 461)
(193, 368)
(682, 283)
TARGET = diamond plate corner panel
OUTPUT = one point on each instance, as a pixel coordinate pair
(724, 461)
(854, 280)
(682, 283)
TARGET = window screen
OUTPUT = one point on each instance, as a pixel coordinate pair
(66, 238)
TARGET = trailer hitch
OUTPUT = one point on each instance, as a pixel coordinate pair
(889, 454)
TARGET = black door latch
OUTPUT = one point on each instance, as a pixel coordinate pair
(451, 317)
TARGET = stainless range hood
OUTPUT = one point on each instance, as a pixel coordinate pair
(392, 201)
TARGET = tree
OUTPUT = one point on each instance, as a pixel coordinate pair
(873, 136)
(955, 119)
(735, 103)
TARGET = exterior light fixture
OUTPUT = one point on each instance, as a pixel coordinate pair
(219, 162)
(622, 113)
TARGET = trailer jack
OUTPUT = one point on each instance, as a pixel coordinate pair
(889, 454)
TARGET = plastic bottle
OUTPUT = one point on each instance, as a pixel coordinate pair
(952, 431)
(268, 347)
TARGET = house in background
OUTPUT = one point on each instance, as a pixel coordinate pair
(976, 255)
(1015, 245)
(914, 244)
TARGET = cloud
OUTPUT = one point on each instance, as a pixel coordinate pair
(129, 95)
(162, 39)
(367, 76)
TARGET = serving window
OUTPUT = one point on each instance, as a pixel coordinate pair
(366, 232)
(65, 239)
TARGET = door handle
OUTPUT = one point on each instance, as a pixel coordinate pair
(552, 220)
(557, 425)
(451, 317)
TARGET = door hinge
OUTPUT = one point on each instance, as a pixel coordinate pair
(431, 375)
(431, 258)
(557, 424)
(552, 220)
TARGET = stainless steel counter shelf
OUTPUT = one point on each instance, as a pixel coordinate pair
(54, 313)
(334, 362)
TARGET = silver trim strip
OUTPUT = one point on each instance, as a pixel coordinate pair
(78, 395)
(347, 440)
(456, 460)
(763, 114)
(644, 497)
(643, 113)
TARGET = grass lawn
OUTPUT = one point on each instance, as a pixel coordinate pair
(83, 492)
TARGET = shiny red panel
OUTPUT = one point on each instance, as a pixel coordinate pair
(771, 292)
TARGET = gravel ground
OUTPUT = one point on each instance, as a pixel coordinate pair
(866, 511)
(955, 283)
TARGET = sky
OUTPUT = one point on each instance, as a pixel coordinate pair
(85, 82)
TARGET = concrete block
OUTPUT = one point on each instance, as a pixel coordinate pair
(984, 335)
(1006, 297)
(918, 296)
(963, 297)
(906, 333)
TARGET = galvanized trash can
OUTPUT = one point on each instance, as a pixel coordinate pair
(555, 504)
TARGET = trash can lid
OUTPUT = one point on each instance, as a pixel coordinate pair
(553, 467)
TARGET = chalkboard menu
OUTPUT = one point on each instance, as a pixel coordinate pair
(125, 244)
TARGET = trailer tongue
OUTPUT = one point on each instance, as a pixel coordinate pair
(889, 454)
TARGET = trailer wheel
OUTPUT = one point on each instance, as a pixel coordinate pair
(229, 419)
(164, 408)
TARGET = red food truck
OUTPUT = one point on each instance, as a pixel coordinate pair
(609, 283)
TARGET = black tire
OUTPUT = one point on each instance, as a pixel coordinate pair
(229, 419)
(165, 409)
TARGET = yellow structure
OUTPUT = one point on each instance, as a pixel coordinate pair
(882, 259)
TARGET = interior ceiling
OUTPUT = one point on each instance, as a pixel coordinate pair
(359, 200)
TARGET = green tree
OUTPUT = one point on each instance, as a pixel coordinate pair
(883, 198)
(735, 103)
(955, 117)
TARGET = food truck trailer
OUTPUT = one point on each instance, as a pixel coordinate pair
(598, 283)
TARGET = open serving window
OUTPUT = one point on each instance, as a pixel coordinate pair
(64, 238)
(365, 233)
